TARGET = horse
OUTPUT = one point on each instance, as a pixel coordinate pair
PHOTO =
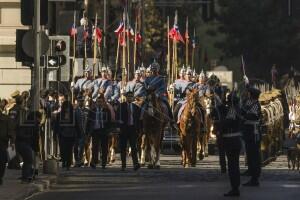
(212, 103)
(154, 121)
(88, 103)
(190, 124)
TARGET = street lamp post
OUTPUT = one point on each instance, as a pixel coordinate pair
(37, 53)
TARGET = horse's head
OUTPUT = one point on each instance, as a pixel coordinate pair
(192, 100)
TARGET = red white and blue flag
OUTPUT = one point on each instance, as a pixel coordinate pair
(98, 35)
(73, 31)
(85, 34)
(138, 37)
(194, 43)
(174, 34)
(120, 29)
(130, 32)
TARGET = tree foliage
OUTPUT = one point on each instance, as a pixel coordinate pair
(260, 30)
(153, 26)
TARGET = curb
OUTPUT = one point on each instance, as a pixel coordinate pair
(38, 186)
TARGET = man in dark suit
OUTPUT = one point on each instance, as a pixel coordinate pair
(129, 116)
(99, 123)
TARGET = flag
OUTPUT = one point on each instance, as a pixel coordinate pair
(120, 29)
(98, 35)
(85, 34)
(130, 32)
(138, 37)
(187, 36)
(194, 40)
(122, 40)
(194, 43)
(174, 34)
(73, 31)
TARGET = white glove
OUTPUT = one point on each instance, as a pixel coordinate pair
(172, 86)
(72, 84)
(246, 79)
(123, 91)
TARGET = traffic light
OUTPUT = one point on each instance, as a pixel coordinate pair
(59, 56)
(27, 12)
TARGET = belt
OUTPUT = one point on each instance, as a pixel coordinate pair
(231, 135)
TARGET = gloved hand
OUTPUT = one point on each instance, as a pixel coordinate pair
(246, 79)
(72, 84)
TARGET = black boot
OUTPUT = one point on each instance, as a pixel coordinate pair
(252, 183)
(246, 173)
(232, 193)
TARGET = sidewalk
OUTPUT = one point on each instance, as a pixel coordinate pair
(13, 189)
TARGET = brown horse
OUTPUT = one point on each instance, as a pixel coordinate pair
(154, 122)
(190, 124)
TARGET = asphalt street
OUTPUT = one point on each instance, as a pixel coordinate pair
(170, 182)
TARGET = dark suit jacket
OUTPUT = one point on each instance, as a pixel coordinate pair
(92, 119)
(122, 115)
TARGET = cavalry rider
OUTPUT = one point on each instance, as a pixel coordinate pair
(157, 83)
(115, 90)
(143, 72)
(83, 83)
(194, 77)
(186, 85)
(201, 85)
(101, 84)
(136, 86)
(251, 113)
(179, 84)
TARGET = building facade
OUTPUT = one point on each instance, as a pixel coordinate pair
(12, 74)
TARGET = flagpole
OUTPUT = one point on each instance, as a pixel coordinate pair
(128, 47)
(95, 47)
(168, 56)
(176, 58)
(193, 50)
(243, 65)
(74, 55)
(123, 83)
(187, 42)
(135, 43)
(117, 57)
(85, 53)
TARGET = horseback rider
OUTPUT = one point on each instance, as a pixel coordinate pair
(157, 83)
(83, 83)
(136, 86)
(185, 86)
(101, 84)
(179, 84)
(202, 85)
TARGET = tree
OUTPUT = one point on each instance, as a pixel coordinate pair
(153, 27)
(261, 31)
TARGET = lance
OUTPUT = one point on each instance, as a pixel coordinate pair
(74, 56)
(168, 56)
(243, 65)
(187, 42)
(193, 50)
(175, 41)
(123, 83)
(128, 46)
(117, 57)
(95, 47)
(85, 38)
(135, 43)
